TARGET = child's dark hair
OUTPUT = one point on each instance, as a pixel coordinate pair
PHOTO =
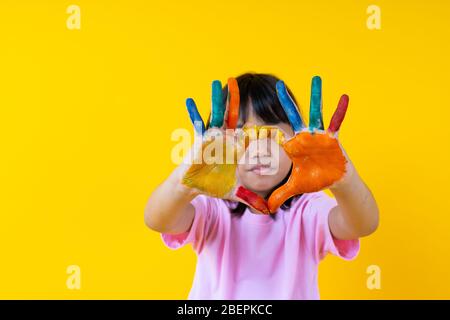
(260, 89)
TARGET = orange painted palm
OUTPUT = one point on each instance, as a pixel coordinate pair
(212, 169)
(318, 160)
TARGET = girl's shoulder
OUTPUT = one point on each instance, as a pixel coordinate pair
(210, 206)
(209, 202)
(311, 202)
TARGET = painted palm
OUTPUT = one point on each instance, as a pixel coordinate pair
(318, 159)
(213, 168)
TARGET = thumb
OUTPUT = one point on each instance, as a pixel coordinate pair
(280, 195)
(252, 199)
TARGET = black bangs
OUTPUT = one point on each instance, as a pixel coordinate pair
(260, 90)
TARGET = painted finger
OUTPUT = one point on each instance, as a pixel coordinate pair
(339, 114)
(315, 109)
(204, 176)
(252, 199)
(289, 107)
(280, 195)
(233, 103)
(218, 109)
(195, 116)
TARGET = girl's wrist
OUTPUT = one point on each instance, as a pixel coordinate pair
(185, 191)
(347, 182)
(179, 188)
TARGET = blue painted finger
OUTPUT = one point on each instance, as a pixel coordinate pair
(289, 107)
(195, 116)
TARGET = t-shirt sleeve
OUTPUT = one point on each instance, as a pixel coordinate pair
(205, 215)
(324, 241)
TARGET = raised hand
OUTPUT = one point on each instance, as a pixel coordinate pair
(317, 157)
(212, 169)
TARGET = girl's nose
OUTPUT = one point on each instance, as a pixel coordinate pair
(260, 148)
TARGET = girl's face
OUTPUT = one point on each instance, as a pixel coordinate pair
(266, 164)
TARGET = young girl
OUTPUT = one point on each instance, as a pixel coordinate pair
(243, 254)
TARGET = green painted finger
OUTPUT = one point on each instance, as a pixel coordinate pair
(315, 111)
(218, 108)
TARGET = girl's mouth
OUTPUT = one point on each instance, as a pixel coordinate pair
(261, 169)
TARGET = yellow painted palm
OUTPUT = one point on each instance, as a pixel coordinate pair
(212, 168)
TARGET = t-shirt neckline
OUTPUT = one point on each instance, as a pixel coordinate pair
(254, 218)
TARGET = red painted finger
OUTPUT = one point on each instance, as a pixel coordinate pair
(252, 199)
(339, 114)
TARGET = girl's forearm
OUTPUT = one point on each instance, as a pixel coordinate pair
(168, 209)
(357, 212)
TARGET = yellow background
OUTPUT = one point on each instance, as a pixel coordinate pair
(86, 117)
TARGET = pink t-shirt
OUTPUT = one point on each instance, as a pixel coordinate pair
(256, 257)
